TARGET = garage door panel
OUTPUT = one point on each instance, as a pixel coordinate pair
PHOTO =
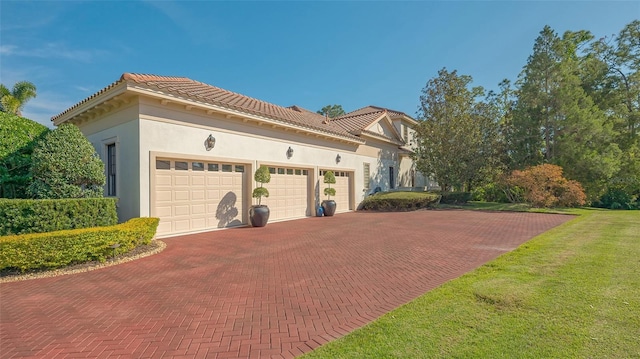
(289, 193)
(181, 180)
(181, 195)
(191, 196)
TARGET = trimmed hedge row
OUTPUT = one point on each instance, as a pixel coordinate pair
(455, 197)
(21, 216)
(384, 203)
(61, 248)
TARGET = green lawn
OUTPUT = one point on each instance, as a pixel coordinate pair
(572, 292)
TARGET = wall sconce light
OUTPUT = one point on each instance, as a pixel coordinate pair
(210, 142)
(290, 152)
(338, 158)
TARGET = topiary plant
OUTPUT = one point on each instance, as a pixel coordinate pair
(65, 165)
(329, 179)
(261, 176)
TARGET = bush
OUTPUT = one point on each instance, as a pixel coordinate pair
(455, 197)
(65, 165)
(400, 201)
(21, 216)
(19, 136)
(491, 192)
(61, 248)
(544, 186)
(617, 198)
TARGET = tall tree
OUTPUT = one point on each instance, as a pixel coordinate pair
(13, 101)
(455, 135)
(332, 111)
(556, 121)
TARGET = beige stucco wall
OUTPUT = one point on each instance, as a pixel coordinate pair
(120, 127)
(175, 130)
(146, 127)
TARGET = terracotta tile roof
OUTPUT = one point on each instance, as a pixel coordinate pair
(197, 91)
(357, 121)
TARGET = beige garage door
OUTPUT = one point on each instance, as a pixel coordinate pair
(343, 190)
(197, 195)
(288, 193)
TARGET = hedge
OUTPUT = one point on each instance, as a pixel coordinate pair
(400, 203)
(61, 248)
(21, 216)
(455, 197)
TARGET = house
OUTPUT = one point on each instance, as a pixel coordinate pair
(185, 152)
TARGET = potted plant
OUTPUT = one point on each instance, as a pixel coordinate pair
(329, 205)
(259, 214)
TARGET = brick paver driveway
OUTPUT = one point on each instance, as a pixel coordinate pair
(277, 291)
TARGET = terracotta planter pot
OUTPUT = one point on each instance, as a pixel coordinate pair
(329, 207)
(259, 215)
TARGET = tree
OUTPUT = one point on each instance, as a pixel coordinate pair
(456, 135)
(261, 176)
(13, 101)
(332, 111)
(65, 165)
(556, 121)
(19, 136)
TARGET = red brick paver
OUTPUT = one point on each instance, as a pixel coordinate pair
(277, 291)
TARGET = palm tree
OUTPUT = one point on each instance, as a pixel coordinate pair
(13, 101)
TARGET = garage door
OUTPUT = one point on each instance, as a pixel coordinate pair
(197, 195)
(343, 190)
(288, 193)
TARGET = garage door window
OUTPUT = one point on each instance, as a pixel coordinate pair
(163, 165)
(197, 166)
(182, 166)
(227, 168)
(239, 168)
(213, 167)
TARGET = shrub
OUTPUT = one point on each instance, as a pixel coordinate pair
(19, 136)
(21, 216)
(400, 201)
(329, 179)
(455, 197)
(261, 176)
(61, 248)
(544, 186)
(65, 165)
(491, 192)
(617, 198)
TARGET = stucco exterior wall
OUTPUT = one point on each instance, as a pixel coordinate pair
(120, 127)
(175, 130)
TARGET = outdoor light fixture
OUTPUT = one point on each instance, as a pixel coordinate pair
(290, 152)
(338, 158)
(210, 142)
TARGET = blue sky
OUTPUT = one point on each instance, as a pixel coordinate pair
(307, 53)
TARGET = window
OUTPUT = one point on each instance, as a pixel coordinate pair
(289, 171)
(405, 133)
(280, 171)
(111, 169)
(182, 166)
(305, 172)
(227, 168)
(298, 172)
(213, 167)
(272, 170)
(163, 164)
(239, 168)
(392, 178)
(197, 166)
(366, 175)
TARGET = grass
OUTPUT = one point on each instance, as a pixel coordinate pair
(572, 292)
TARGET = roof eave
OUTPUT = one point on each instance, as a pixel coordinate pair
(242, 114)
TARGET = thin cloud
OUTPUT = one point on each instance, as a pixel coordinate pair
(53, 51)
